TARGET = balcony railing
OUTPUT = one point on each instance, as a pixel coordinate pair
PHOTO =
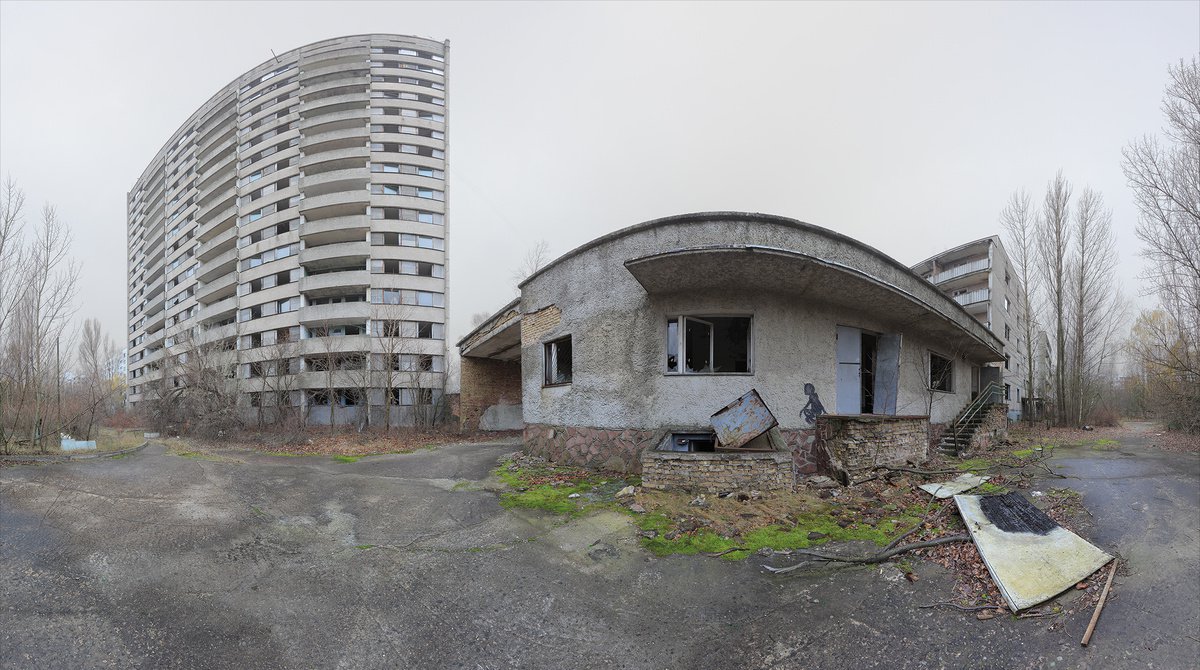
(971, 297)
(960, 270)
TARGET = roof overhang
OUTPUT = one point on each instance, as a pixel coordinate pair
(768, 269)
(498, 337)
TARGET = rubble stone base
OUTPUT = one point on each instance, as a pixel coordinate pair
(717, 472)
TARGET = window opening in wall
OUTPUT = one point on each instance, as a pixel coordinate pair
(558, 361)
(941, 373)
(708, 344)
(1008, 392)
(866, 375)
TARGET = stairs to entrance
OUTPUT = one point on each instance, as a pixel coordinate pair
(959, 433)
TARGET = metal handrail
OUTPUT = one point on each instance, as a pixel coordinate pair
(985, 398)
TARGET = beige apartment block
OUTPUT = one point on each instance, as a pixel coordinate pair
(979, 276)
(293, 232)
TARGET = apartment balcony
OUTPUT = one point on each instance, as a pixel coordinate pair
(217, 212)
(217, 154)
(206, 232)
(342, 203)
(223, 132)
(217, 245)
(356, 85)
(335, 314)
(218, 191)
(362, 113)
(343, 344)
(412, 282)
(972, 297)
(319, 380)
(220, 171)
(336, 229)
(221, 287)
(341, 253)
(961, 270)
(224, 263)
(218, 311)
(334, 283)
(218, 333)
(355, 64)
(362, 153)
(335, 181)
(312, 108)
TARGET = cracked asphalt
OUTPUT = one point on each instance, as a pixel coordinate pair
(408, 561)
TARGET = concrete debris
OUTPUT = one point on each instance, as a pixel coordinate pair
(573, 495)
(699, 501)
(823, 482)
(637, 509)
(960, 484)
(625, 492)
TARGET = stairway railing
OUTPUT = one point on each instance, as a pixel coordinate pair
(988, 396)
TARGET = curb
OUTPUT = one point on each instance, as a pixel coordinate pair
(44, 458)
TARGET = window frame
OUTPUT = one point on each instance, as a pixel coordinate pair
(550, 361)
(681, 341)
(949, 380)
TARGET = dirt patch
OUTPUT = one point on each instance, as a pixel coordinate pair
(319, 442)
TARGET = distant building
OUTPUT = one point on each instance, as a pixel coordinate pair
(293, 230)
(979, 276)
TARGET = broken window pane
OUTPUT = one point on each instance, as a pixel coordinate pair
(941, 373)
(558, 361)
(697, 345)
(673, 345)
(710, 344)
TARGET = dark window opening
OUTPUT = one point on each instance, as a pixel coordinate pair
(558, 361)
(867, 376)
(941, 373)
(708, 344)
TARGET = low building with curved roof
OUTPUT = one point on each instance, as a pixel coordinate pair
(640, 336)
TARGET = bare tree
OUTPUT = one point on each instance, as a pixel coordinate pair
(1165, 178)
(1053, 243)
(96, 351)
(1020, 226)
(535, 259)
(1095, 303)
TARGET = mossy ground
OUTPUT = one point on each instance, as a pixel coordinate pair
(343, 458)
(548, 487)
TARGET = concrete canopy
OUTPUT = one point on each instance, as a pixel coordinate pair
(790, 272)
(499, 337)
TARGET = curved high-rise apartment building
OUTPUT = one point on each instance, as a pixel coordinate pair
(290, 239)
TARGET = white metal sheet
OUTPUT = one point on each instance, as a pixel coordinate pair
(1029, 567)
(960, 484)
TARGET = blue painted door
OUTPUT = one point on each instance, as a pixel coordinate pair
(849, 370)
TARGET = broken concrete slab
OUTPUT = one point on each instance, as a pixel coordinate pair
(1029, 556)
(960, 484)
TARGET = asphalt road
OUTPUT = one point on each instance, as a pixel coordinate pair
(408, 561)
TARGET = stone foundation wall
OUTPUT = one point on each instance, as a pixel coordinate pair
(485, 383)
(717, 472)
(860, 442)
(809, 456)
(597, 448)
(994, 427)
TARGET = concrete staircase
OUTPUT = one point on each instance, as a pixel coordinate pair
(957, 438)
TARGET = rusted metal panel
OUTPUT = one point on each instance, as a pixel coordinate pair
(742, 420)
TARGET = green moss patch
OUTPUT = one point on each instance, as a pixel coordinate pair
(975, 464)
(343, 458)
(550, 488)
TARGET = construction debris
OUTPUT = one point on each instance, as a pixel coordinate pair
(1087, 636)
(742, 420)
(960, 484)
(1029, 556)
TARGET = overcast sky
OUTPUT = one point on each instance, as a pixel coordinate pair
(903, 125)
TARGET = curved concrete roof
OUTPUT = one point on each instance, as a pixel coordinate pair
(901, 280)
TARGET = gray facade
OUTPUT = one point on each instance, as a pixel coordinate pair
(825, 320)
(979, 276)
(293, 232)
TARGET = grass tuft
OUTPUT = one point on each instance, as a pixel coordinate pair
(343, 458)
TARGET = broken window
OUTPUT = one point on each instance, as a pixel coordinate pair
(558, 361)
(941, 373)
(708, 344)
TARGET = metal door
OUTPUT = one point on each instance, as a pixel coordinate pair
(849, 370)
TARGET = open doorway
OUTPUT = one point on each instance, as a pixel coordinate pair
(868, 371)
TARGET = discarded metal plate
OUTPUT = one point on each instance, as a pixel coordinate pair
(1030, 557)
(742, 420)
(67, 444)
(960, 484)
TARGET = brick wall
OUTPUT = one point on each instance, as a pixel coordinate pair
(860, 442)
(486, 382)
(717, 472)
(536, 324)
(994, 427)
